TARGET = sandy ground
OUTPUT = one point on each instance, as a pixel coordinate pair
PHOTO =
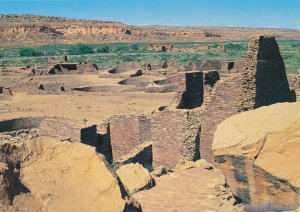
(93, 106)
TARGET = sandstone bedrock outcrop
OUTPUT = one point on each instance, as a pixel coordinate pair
(258, 152)
(135, 177)
(49, 175)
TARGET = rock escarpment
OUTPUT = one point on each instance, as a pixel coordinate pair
(45, 29)
(258, 152)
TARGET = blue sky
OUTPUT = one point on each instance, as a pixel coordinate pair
(245, 13)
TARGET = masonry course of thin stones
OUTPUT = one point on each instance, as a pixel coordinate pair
(264, 78)
(294, 81)
(62, 128)
(184, 130)
(190, 92)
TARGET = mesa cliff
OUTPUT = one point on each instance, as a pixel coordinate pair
(32, 29)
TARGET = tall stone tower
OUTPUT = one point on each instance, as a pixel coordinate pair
(264, 78)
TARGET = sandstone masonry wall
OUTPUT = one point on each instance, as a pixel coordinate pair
(67, 129)
(294, 82)
(174, 139)
(190, 92)
(184, 131)
(175, 136)
(126, 132)
(264, 78)
(224, 103)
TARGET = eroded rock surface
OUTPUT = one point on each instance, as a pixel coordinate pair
(258, 152)
(135, 177)
(195, 189)
(47, 175)
(194, 164)
(45, 29)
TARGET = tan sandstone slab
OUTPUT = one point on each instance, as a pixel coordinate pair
(63, 176)
(246, 128)
(258, 152)
(135, 177)
(188, 190)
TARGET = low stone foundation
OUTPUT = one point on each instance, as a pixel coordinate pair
(64, 129)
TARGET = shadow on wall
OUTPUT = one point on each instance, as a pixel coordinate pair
(20, 124)
(191, 90)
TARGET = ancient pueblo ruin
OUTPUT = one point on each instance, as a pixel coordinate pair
(218, 135)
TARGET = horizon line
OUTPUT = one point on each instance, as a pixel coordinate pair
(144, 25)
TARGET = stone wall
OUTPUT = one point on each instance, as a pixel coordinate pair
(104, 142)
(160, 47)
(5, 91)
(232, 66)
(20, 124)
(175, 135)
(141, 154)
(68, 130)
(190, 92)
(35, 88)
(184, 130)
(64, 129)
(294, 82)
(224, 102)
(126, 132)
(264, 77)
(210, 65)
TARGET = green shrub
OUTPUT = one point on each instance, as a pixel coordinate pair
(49, 50)
(296, 45)
(235, 46)
(165, 57)
(1, 55)
(134, 47)
(215, 45)
(211, 54)
(122, 48)
(80, 49)
(128, 59)
(103, 49)
(29, 52)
